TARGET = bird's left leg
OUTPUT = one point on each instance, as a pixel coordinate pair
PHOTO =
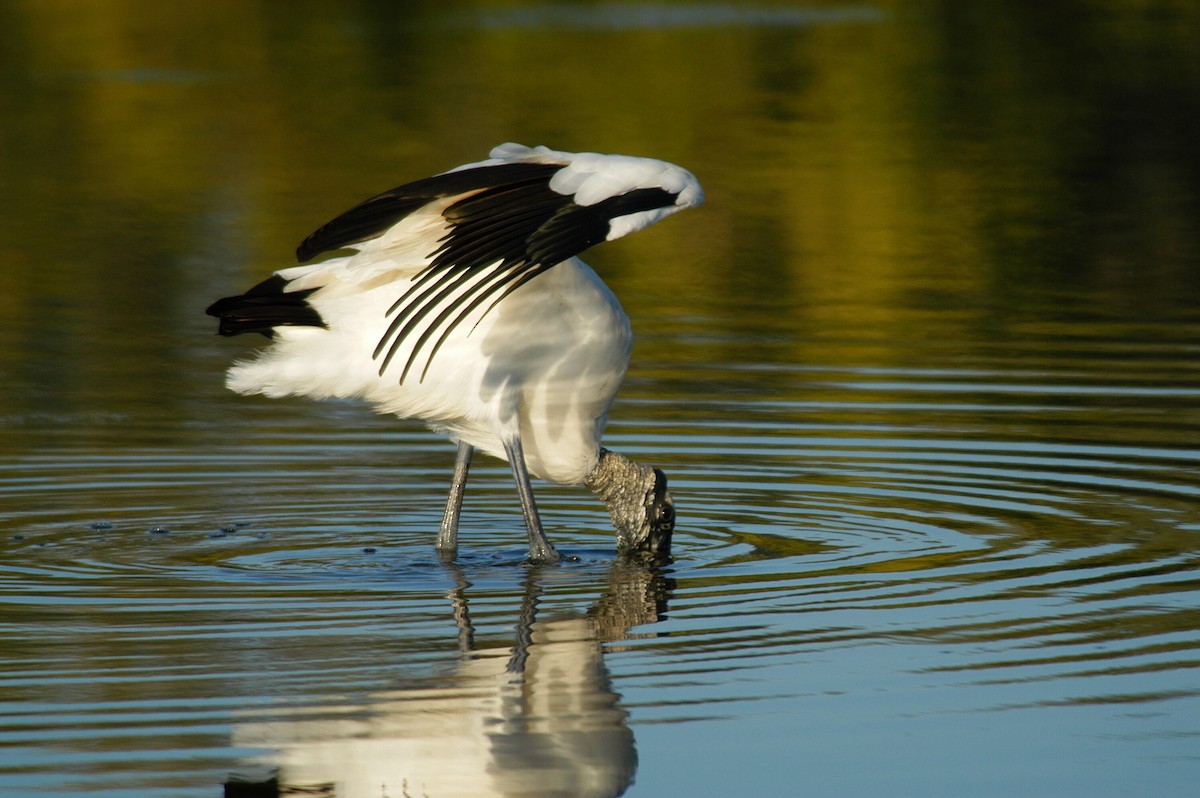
(540, 549)
(447, 540)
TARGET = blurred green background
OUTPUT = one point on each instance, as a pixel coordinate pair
(892, 183)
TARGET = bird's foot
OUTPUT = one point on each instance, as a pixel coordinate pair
(544, 555)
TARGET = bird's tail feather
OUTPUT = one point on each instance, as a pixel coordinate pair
(263, 308)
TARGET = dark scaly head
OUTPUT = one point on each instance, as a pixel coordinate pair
(639, 504)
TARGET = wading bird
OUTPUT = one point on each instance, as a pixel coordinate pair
(465, 306)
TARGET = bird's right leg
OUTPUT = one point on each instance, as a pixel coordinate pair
(540, 549)
(447, 540)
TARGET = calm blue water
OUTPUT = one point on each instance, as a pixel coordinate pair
(923, 372)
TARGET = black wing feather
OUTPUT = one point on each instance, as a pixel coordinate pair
(373, 217)
(577, 227)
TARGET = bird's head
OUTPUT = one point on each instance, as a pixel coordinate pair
(639, 504)
(653, 537)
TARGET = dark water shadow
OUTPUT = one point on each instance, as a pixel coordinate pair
(539, 717)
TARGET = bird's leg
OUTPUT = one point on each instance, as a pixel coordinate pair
(447, 540)
(540, 549)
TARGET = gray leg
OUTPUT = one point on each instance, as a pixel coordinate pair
(447, 540)
(540, 550)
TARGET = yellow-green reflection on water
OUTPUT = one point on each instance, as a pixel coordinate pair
(923, 371)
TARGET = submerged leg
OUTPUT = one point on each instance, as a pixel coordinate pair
(447, 540)
(540, 549)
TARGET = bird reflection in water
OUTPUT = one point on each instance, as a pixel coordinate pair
(538, 719)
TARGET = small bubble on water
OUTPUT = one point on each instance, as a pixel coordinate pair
(159, 530)
(369, 550)
(100, 526)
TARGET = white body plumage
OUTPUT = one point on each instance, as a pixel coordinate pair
(466, 308)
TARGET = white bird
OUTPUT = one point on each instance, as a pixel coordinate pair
(465, 306)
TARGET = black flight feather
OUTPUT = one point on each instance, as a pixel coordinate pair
(373, 217)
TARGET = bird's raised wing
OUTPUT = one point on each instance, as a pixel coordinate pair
(556, 204)
(508, 219)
